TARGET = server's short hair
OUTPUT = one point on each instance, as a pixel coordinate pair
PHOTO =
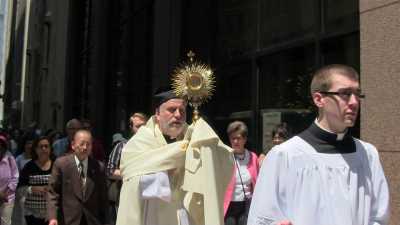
(321, 80)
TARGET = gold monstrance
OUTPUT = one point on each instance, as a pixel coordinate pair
(193, 81)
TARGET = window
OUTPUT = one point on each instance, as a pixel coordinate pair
(234, 90)
(284, 78)
(340, 15)
(237, 23)
(283, 43)
(344, 49)
(285, 20)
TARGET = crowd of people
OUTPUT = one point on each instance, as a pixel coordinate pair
(322, 175)
(28, 164)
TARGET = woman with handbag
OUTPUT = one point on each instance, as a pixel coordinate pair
(34, 181)
(244, 175)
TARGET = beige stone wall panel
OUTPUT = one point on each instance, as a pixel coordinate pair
(380, 79)
(392, 168)
(366, 5)
(380, 76)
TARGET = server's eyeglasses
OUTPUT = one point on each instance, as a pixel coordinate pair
(345, 94)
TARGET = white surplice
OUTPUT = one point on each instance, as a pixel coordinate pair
(299, 184)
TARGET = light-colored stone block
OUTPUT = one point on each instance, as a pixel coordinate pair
(392, 167)
(367, 5)
(380, 76)
(380, 80)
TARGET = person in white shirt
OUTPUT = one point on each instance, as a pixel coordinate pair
(244, 175)
(324, 175)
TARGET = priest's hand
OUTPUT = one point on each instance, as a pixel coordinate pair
(173, 172)
(284, 222)
(53, 222)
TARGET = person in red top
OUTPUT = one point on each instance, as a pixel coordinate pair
(244, 175)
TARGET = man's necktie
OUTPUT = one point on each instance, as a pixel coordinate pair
(82, 177)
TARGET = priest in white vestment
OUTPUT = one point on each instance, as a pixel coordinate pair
(164, 182)
(324, 176)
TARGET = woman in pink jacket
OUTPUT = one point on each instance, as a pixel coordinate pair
(244, 175)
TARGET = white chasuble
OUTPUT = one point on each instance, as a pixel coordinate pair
(148, 163)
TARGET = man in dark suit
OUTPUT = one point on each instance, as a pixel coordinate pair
(77, 187)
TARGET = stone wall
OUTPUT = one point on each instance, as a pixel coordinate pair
(380, 80)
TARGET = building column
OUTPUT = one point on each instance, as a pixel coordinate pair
(6, 14)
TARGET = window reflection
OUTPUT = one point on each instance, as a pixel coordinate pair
(234, 90)
(285, 20)
(344, 50)
(284, 78)
(341, 15)
(237, 28)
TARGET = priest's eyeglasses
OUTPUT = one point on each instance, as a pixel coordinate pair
(345, 94)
